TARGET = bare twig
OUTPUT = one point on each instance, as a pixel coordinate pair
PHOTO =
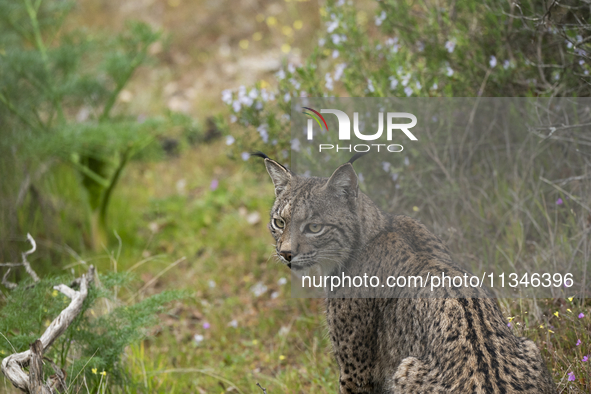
(24, 263)
(262, 388)
(12, 366)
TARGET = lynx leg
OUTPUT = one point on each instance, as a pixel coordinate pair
(409, 376)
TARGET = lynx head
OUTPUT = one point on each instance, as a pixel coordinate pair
(314, 220)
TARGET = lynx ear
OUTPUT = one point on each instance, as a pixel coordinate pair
(344, 181)
(279, 175)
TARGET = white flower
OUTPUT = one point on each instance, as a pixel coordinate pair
(264, 95)
(198, 338)
(386, 166)
(506, 64)
(321, 42)
(211, 284)
(380, 18)
(295, 145)
(370, 86)
(395, 176)
(332, 25)
(291, 68)
(434, 87)
(449, 71)
(274, 295)
(408, 91)
(335, 54)
(393, 83)
(336, 39)
(264, 133)
(339, 69)
(378, 47)
(281, 281)
(287, 97)
(245, 155)
(418, 85)
(295, 83)
(236, 106)
(569, 44)
(450, 45)
(492, 62)
(329, 83)
(280, 74)
(230, 140)
(258, 289)
(581, 62)
(391, 41)
(405, 79)
(258, 105)
(233, 118)
(253, 94)
(227, 96)
(233, 324)
(340, 3)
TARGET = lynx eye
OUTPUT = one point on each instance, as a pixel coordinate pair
(279, 223)
(314, 227)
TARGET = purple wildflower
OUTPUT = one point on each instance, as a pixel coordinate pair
(578, 342)
(214, 184)
(559, 201)
(206, 325)
(571, 376)
(581, 315)
(585, 359)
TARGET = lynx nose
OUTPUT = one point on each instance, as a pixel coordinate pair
(286, 255)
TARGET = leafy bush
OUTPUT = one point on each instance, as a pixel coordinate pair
(94, 344)
(427, 49)
(58, 89)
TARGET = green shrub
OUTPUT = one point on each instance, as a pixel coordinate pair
(94, 344)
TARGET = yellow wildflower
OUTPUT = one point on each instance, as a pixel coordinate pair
(281, 357)
(94, 371)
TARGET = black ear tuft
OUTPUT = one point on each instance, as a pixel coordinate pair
(260, 154)
(264, 156)
(357, 156)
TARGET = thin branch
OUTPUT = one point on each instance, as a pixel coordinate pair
(262, 388)
(26, 263)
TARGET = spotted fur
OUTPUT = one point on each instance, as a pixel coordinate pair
(452, 340)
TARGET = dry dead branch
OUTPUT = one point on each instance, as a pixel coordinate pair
(12, 366)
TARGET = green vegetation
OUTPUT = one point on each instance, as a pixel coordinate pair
(68, 133)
